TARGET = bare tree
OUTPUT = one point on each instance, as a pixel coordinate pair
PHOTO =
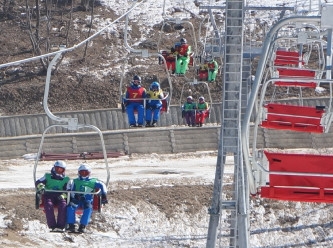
(90, 27)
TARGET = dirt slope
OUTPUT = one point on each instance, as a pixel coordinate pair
(85, 79)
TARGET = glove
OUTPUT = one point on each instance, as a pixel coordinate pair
(104, 199)
(74, 203)
(63, 196)
(41, 187)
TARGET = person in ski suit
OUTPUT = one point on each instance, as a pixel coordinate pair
(86, 185)
(170, 59)
(183, 57)
(203, 71)
(135, 90)
(202, 111)
(154, 104)
(212, 69)
(188, 111)
(56, 180)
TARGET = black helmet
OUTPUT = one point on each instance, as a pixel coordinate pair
(183, 41)
(136, 77)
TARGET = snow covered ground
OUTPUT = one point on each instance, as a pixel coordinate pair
(142, 223)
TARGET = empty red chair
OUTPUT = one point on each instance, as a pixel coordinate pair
(299, 177)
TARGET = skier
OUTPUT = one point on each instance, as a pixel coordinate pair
(154, 104)
(86, 185)
(212, 69)
(203, 71)
(202, 112)
(56, 180)
(135, 90)
(188, 111)
(183, 57)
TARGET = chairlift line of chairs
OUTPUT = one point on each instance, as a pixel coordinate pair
(286, 175)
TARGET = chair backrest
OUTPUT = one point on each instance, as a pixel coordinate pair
(284, 58)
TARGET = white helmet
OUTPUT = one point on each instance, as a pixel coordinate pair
(59, 168)
(60, 164)
(84, 171)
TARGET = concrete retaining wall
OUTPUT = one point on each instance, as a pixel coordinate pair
(153, 140)
(104, 119)
(22, 134)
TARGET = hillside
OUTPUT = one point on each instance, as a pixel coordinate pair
(84, 79)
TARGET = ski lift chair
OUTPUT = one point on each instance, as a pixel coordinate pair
(164, 100)
(170, 60)
(171, 57)
(209, 98)
(202, 73)
(290, 73)
(69, 124)
(298, 177)
(97, 199)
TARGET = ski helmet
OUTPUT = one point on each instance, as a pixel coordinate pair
(136, 77)
(84, 171)
(59, 167)
(155, 86)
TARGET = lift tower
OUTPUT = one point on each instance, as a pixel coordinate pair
(232, 229)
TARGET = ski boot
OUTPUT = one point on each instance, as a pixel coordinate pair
(82, 229)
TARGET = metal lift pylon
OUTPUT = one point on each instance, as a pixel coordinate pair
(233, 228)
